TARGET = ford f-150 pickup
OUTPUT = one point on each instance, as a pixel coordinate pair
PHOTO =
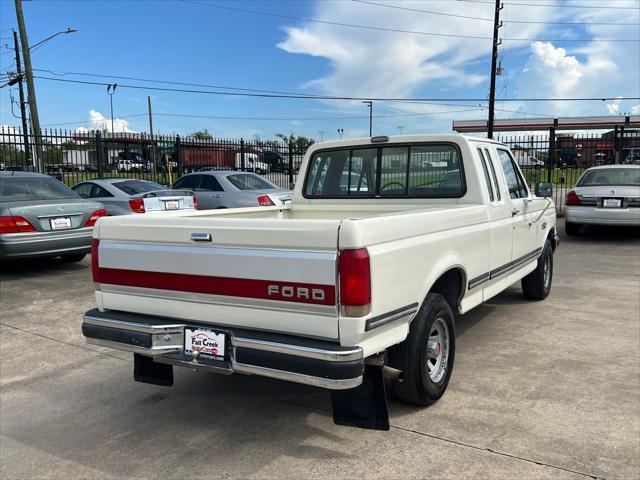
(352, 287)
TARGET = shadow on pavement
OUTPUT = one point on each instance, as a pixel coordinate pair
(36, 267)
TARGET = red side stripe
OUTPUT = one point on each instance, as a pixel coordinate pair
(233, 287)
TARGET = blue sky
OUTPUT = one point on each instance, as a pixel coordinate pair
(182, 41)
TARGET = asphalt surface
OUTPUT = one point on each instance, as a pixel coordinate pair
(540, 390)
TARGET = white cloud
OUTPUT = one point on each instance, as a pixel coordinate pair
(614, 107)
(99, 122)
(635, 110)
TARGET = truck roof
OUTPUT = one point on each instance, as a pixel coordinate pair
(437, 137)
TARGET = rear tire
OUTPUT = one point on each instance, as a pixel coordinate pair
(427, 354)
(537, 285)
(572, 229)
(76, 257)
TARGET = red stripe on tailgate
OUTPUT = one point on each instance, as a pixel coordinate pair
(232, 287)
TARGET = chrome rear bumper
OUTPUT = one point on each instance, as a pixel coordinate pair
(321, 364)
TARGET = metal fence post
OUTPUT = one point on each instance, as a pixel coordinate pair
(242, 165)
(551, 160)
(290, 163)
(99, 154)
(178, 157)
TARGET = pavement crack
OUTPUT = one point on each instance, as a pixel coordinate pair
(61, 341)
(497, 452)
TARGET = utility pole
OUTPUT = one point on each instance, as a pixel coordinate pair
(369, 103)
(31, 89)
(23, 110)
(153, 143)
(494, 61)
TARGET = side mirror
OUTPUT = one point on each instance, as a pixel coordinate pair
(544, 189)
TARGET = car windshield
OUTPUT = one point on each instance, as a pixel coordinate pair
(610, 176)
(134, 187)
(249, 181)
(19, 188)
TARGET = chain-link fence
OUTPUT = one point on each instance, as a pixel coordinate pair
(73, 156)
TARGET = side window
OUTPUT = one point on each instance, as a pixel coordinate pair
(515, 183)
(209, 182)
(188, 182)
(99, 192)
(486, 174)
(84, 189)
(493, 174)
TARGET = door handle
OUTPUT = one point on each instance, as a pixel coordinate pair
(514, 212)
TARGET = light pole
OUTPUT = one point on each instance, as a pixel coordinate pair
(369, 103)
(401, 128)
(111, 89)
(321, 132)
(340, 132)
(68, 30)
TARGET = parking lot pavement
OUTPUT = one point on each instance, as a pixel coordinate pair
(540, 389)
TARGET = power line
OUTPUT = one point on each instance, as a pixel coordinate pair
(346, 98)
(90, 121)
(607, 7)
(397, 30)
(486, 19)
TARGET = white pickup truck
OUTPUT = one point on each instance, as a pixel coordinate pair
(352, 287)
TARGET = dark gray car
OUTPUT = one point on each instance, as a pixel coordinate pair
(125, 196)
(229, 189)
(41, 217)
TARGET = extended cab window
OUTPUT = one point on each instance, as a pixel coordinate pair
(389, 171)
(515, 182)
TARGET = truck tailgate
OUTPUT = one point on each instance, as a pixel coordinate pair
(249, 273)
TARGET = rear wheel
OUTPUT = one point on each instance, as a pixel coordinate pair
(572, 228)
(537, 285)
(426, 356)
(76, 257)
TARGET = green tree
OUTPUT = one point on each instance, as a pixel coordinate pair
(300, 143)
(12, 156)
(202, 135)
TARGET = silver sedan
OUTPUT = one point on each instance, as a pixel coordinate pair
(607, 195)
(41, 217)
(229, 189)
(122, 196)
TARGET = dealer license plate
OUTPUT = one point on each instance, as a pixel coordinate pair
(208, 343)
(171, 205)
(61, 223)
(611, 202)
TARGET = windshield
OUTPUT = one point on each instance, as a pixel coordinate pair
(134, 187)
(611, 176)
(249, 181)
(15, 189)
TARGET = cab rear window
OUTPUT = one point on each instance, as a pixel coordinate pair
(396, 171)
(18, 188)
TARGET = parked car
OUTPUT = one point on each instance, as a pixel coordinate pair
(124, 196)
(529, 162)
(229, 189)
(41, 217)
(130, 166)
(341, 289)
(606, 195)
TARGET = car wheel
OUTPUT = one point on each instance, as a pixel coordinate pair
(537, 285)
(72, 258)
(572, 228)
(426, 355)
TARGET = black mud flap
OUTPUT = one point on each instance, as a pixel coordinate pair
(145, 370)
(364, 406)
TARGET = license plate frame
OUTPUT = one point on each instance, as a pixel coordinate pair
(209, 343)
(172, 204)
(611, 203)
(60, 223)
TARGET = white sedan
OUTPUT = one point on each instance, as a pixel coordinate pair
(607, 195)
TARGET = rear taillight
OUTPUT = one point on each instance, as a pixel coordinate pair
(137, 205)
(355, 282)
(265, 201)
(195, 202)
(572, 199)
(15, 224)
(95, 265)
(95, 216)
